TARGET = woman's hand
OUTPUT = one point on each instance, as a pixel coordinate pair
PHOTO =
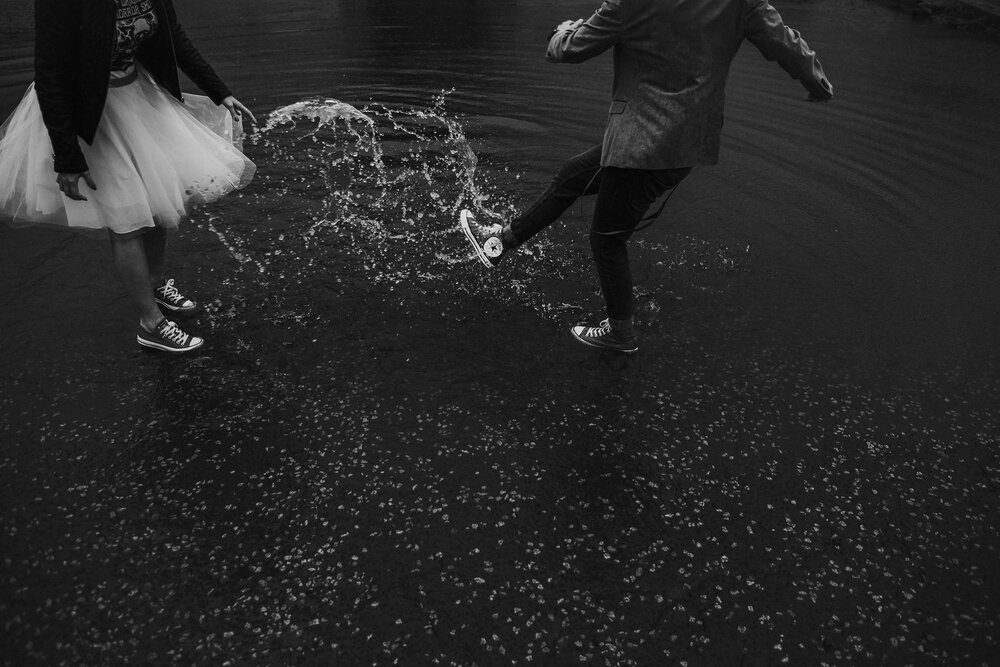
(236, 109)
(69, 184)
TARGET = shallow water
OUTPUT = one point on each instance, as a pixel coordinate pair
(386, 454)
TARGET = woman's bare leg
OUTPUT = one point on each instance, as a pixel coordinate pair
(155, 244)
(129, 255)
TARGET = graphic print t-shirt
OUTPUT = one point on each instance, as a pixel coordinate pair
(136, 22)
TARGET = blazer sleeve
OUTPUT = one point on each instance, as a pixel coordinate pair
(57, 24)
(191, 62)
(777, 42)
(592, 37)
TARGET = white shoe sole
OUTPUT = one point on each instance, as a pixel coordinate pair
(576, 331)
(176, 309)
(463, 222)
(159, 346)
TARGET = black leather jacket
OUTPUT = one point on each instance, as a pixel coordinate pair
(73, 50)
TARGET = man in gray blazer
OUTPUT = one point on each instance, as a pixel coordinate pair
(671, 61)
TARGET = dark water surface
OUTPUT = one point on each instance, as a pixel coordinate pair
(387, 455)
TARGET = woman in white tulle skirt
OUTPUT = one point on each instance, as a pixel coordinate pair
(103, 139)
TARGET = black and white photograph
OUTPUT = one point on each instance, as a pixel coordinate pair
(541, 332)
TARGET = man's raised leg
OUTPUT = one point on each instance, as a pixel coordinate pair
(578, 176)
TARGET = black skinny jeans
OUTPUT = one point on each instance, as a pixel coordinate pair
(623, 197)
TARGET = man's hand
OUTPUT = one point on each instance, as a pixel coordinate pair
(236, 109)
(568, 25)
(69, 184)
(824, 96)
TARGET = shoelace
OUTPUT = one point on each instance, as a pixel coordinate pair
(173, 333)
(169, 291)
(602, 330)
(488, 229)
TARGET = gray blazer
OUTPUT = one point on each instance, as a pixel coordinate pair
(671, 61)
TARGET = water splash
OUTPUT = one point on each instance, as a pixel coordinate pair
(323, 112)
(233, 245)
(372, 182)
(370, 196)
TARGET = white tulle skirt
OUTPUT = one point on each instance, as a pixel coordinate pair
(152, 159)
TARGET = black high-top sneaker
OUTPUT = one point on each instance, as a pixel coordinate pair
(606, 337)
(486, 240)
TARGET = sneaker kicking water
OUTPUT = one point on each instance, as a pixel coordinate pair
(170, 298)
(604, 337)
(168, 337)
(485, 239)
